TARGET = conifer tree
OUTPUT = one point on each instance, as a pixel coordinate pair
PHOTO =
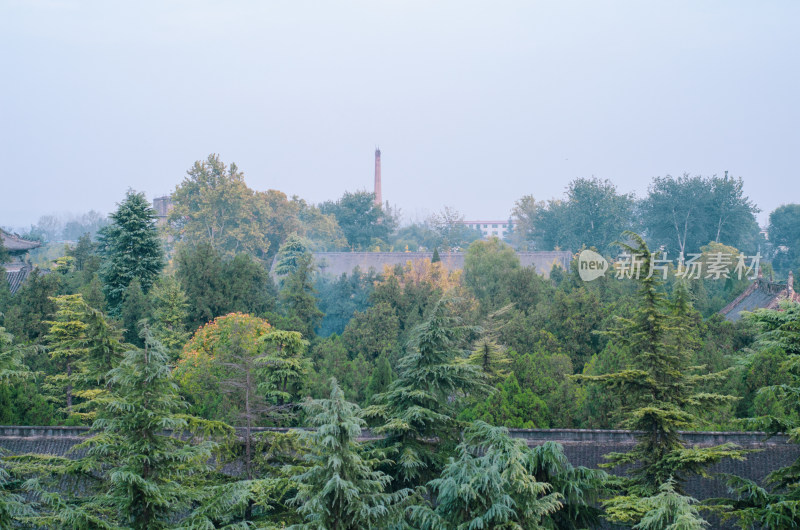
(132, 249)
(490, 484)
(342, 490)
(170, 313)
(135, 307)
(283, 365)
(67, 343)
(298, 298)
(381, 377)
(149, 471)
(660, 392)
(776, 502)
(418, 409)
(12, 504)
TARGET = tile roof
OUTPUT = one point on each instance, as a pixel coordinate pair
(14, 243)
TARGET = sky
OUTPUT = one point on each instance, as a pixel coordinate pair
(473, 104)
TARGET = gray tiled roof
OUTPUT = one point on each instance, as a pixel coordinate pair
(14, 243)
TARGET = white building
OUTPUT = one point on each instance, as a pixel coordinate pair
(500, 229)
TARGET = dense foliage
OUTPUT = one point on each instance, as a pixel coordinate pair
(162, 339)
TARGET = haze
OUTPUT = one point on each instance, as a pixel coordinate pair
(473, 104)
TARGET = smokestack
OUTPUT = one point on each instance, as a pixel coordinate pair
(378, 196)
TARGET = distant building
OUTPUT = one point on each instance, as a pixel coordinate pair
(18, 270)
(162, 206)
(500, 229)
(761, 294)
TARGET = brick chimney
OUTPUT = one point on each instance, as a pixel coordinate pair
(378, 196)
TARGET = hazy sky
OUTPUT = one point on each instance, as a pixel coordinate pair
(474, 104)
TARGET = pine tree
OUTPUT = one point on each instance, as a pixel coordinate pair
(343, 489)
(776, 502)
(660, 391)
(170, 310)
(149, 471)
(132, 249)
(417, 411)
(381, 377)
(283, 365)
(298, 298)
(135, 307)
(12, 370)
(435, 258)
(489, 484)
(67, 343)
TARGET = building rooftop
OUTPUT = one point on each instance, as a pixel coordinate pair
(15, 244)
(761, 294)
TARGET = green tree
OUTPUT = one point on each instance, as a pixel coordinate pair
(5, 257)
(784, 236)
(451, 230)
(684, 213)
(487, 265)
(660, 393)
(12, 505)
(381, 377)
(418, 410)
(297, 296)
(213, 205)
(148, 474)
(510, 406)
(67, 343)
(290, 255)
(343, 489)
(776, 503)
(362, 221)
(200, 272)
(170, 309)
(131, 248)
(135, 307)
(489, 484)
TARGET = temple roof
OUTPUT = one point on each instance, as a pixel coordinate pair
(761, 294)
(15, 244)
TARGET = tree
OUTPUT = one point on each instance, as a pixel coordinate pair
(67, 343)
(684, 213)
(381, 377)
(363, 222)
(298, 300)
(12, 505)
(131, 248)
(217, 352)
(200, 273)
(170, 309)
(451, 231)
(418, 410)
(487, 265)
(660, 393)
(213, 205)
(784, 236)
(5, 257)
(290, 255)
(343, 489)
(776, 503)
(591, 214)
(488, 485)
(135, 307)
(147, 472)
